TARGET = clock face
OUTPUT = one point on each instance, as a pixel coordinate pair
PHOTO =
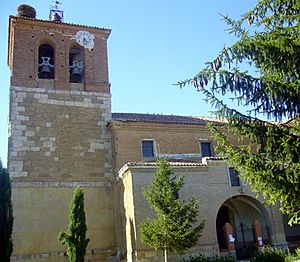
(85, 39)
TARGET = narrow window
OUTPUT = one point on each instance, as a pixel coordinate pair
(205, 149)
(76, 58)
(148, 148)
(46, 62)
(234, 177)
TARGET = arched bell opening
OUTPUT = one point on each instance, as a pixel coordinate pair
(46, 62)
(247, 217)
(76, 63)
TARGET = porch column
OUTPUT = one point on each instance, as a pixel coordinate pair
(257, 233)
(229, 239)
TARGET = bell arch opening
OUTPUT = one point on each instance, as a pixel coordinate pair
(46, 62)
(76, 63)
(245, 214)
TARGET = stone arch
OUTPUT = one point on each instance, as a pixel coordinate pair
(241, 211)
(46, 60)
(43, 39)
(76, 62)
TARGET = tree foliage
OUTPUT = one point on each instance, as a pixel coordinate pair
(6, 216)
(75, 237)
(173, 228)
(268, 42)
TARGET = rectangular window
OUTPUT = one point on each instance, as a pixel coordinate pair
(205, 149)
(148, 148)
(234, 177)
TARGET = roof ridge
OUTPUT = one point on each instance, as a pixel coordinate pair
(161, 118)
(54, 22)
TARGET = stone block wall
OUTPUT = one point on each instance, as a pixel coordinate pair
(58, 140)
(59, 135)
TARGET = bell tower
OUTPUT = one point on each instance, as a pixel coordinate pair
(60, 104)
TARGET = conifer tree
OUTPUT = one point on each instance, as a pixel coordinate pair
(268, 46)
(173, 228)
(75, 237)
(6, 216)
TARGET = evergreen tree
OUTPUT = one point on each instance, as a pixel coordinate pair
(172, 230)
(268, 41)
(75, 237)
(6, 216)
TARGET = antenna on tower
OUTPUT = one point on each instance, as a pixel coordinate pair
(56, 13)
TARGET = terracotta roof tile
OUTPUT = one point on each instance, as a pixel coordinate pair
(159, 118)
(171, 163)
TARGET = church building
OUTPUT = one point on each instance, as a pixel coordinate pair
(62, 134)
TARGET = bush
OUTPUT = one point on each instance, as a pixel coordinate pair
(202, 258)
(269, 254)
(75, 237)
(297, 251)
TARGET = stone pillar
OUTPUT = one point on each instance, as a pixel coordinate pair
(229, 239)
(257, 233)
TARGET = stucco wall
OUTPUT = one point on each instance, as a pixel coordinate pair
(41, 212)
(210, 184)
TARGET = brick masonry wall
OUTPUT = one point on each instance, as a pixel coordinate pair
(25, 37)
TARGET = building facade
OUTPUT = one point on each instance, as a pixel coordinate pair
(63, 134)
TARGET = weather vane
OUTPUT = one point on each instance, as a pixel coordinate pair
(56, 12)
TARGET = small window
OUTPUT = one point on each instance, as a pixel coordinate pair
(205, 149)
(234, 177)
(148, 148)
(46, 62)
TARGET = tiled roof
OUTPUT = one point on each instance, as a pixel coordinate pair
(159, 118)
(171, 163)
(181, 163)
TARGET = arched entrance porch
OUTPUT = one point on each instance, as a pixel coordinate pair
(246, 215)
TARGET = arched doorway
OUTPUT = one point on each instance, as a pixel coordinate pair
(241, 211)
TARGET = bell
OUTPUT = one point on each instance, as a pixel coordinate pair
(45, 68)
(76, 69)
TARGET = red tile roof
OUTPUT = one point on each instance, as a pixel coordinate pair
(176, 163)
(154, 164)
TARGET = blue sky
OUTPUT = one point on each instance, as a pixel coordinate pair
(153, 44)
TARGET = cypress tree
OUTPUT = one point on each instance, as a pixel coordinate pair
(6, 216)
(173, 228)
(75, 237)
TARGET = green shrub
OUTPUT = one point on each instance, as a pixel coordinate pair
(297, 252)
(75, 238)
(269, 254)
(202, 258)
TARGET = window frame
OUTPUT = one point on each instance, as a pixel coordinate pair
(206, 141)
(240, 182)
(148, 158)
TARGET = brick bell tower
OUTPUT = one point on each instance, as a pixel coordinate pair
(60, 104)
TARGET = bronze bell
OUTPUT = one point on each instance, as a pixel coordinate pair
(76, 68)
(45, 68)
